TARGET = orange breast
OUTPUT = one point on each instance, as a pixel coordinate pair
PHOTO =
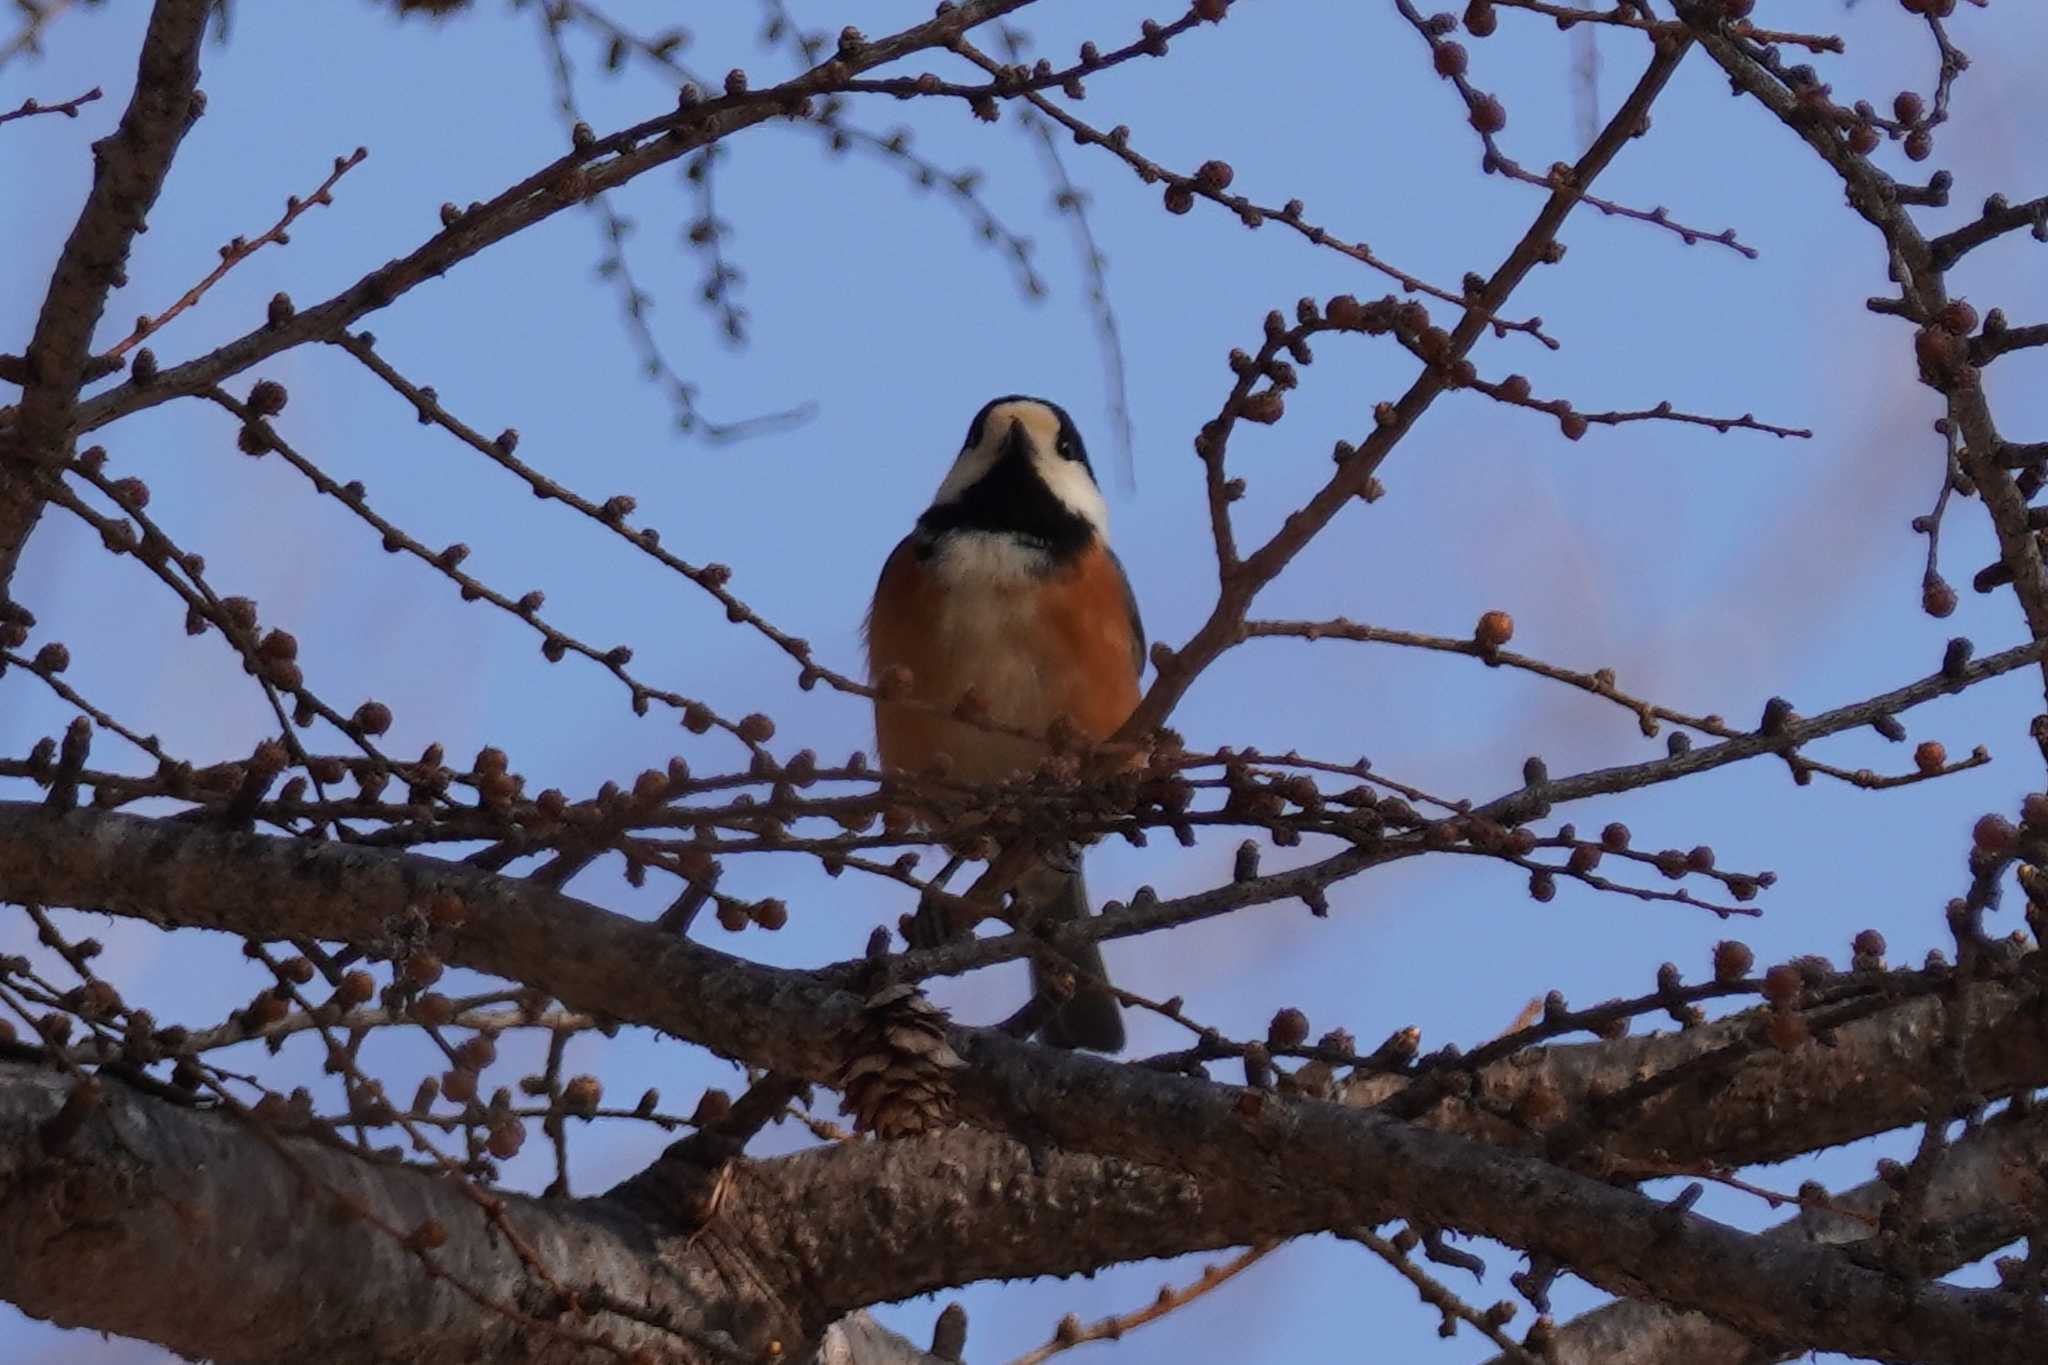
(1032, 648)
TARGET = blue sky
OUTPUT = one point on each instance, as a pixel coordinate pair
(1709, 571)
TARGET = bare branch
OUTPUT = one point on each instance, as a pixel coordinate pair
(237, 251)
(1342, 1164)
(602, 164)
(1881, 203)
(1971, 1197)
(1071, 1333)
(68, 108)
(1517, 395)
(1244, 579)
(129, 169)
(199, 1191)
(1999, 218)
(961, 1152)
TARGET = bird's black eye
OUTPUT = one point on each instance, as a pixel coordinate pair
(1065, 446)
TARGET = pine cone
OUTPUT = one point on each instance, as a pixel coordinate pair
(895, 1080)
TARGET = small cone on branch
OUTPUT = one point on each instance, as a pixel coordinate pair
(895, 1079)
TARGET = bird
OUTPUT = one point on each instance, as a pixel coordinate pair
(1007, 588)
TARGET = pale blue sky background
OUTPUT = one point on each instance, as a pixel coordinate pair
(1710, 571)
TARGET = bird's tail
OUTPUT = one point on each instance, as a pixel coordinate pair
(1089, 1018)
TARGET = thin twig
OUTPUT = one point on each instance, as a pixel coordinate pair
(1071, 1333)
(69, 108)
(236, 251)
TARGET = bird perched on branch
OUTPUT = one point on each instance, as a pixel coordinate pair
(1007, 588)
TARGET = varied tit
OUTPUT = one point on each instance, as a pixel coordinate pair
(1008, 587)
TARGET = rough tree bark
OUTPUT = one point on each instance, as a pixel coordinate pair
(129, 171)
(1216, 1165)
(290, 1243)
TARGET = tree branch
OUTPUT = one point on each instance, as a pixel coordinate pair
(1998, 219)
(268, 1269)
(1971, 1191)
(1315, 1164)
(1244, 579)
(1524, 803)
(30, 107)
(1726, 1105)
(129, 170)
(1918, 266)
(600, 165)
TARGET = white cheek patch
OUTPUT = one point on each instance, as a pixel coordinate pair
(967, 471)
(1069, 482)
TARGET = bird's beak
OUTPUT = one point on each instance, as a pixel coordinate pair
(1016, 445)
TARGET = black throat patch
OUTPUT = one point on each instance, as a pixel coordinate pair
(1012, 500)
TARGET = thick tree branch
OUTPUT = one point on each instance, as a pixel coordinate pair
(1312, 1161)
(1357, 1162)
(182, 874)
(267, 1271)
(1728, 1108)
(129, 170)
(293, 1238)
(1972, 1192)
(85, 1231)
(872, 1222)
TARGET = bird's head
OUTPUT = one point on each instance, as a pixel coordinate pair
(1024, 470)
